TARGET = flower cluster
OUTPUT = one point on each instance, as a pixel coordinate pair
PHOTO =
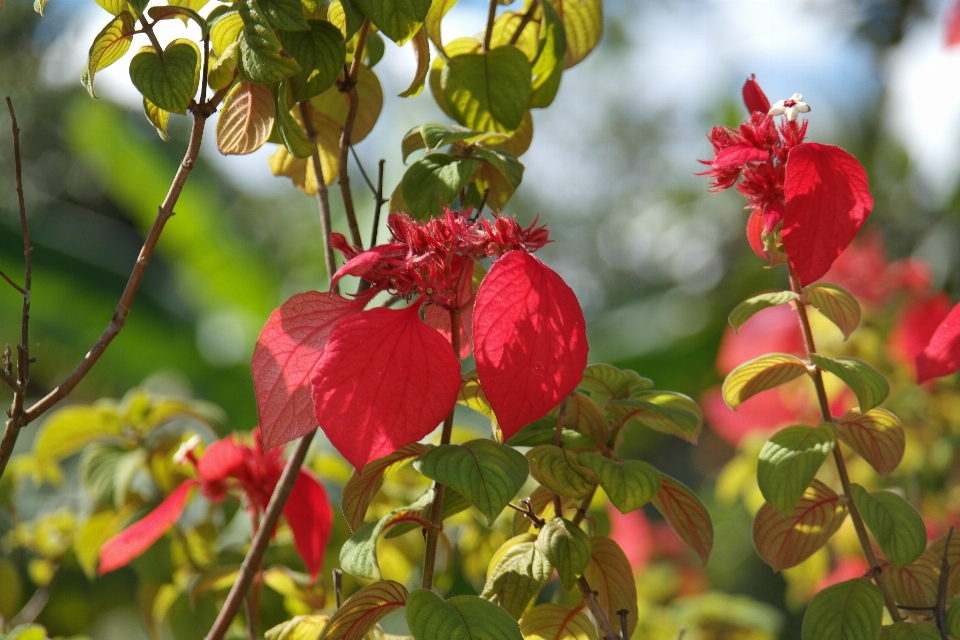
(230, 466)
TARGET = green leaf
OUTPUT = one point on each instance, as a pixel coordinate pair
(543, 431)
(262, 58)
(789, 461)
(68, 430)
(286, 15)
(246, 119)
(560, 471)
(433, 181)
(487, 91)
(876, 435)
(836, 304)
(438, 9)
(113, 7)
(422, 49)
(609, 574)
(358, 555)
(298, 628)
(399, 20)
(915, 584)
(548, 68)
(746, 309)
(320, 52)
(291, 133)
(686, 515)
(784, 542)
(504, 162)
(557, 622)
(760, 374)
(851, 610)
(516, 573)
(459, 618)
(896, 526)
(437, 134)
(488, 474)
(583, 24)
(412, 141)
(606, 382)
(364, 609)
(171, 11)
(346, 16)
(868, 384)
(663, 411)
(907, 631)
(629, 484)
(567, 548)
(110, 45)
(953, 617)
(225, 30)
(171, 82)
(361, 488)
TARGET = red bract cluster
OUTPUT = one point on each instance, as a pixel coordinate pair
(808, 199)
(383, 378)
(230, 466)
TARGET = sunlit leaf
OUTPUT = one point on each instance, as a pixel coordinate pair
(686, 515)
(789, 461)
(746, 309)
(606, 382)
(567, 548)
(560, 471)
(362, 487)
(549, 65)
(663, 411)
(851, 610)
(169, 83)
(941, 356)
(583, 25)
(876, 435)
(246, 119)
(422, 50)
(868, 384)
(320, 52)
(896, 526)
(487, 91)
(399, 20)
(609, 574)
(225, 30)
(298, 628)
(459, 618)
(760, 374)
(434, 182)
(364, 609)
(262, 59)
(516, 573)
(67, 430)
(557, 622)
(836, 304)
(438, 9)
(629, 484)
(108, 46)
(285, 15)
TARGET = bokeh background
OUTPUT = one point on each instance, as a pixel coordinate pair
(656, 261)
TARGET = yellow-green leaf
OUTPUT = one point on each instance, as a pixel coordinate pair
(868, 384)
(422, 51)
(567, 548)
(896, 526)
(262, 58)
(285, 15)
(364, 609)
(438, 9)
(549, 65)
(760, 374)
(108, 46)
(629, 484)
(789, 461)
(560, 471)
(399, 20)
(915, 584)
(606, 382)
(298, 628)
(68, 430)
(836, 304)
(746, 309)
(876, 435)
(246, 119)
(171, 82)
(609, 574)
(516, 573)
(487, 91)
(583, 24)
(435, 181)
(361, 488)
(225, 30)
(663, 411)
(851, 610)
(557, 622)
(459, 618)
(686, 515)
(320, 52)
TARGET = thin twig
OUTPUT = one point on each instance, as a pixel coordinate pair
(13, 284)
(205, 72)
(940, 612)
(826, 416)
(32, 609)
(349, 87)
(251, 564)
(378, 205)
(8, 379)
(323, 194)
(527, 510)
(338, 586)
(491, 18)
(524, 21)
(622, 614)
(436, 509)
(248, 610)
(590, 599)
(363, 171)
(148, 29)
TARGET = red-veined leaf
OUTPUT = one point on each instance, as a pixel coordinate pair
(760, 374)
(524, 374)
(609, 574)
(686, 515)
(122, 548)
(246, 119)
(851, 610)
(385, 380)
(310, 517)
(784, 542)
(364, 609)
(753, 96)
(942, 355)
(288, 349)
(556, 622)
(836, 304)
(876, 435)
(953, 560)
(361, 488)
(110, 45)
(827, 201)
(915, 584)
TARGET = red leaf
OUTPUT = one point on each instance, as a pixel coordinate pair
(942, 355)
(122, 548)
(530, 342)
(754, 97)
(827, 202)
(953, 25)
(220, 460)
(310, 517)
(686, 515)
(754, 233)
(738, 155)
(287, 351)
(385, 380)
(362, 263)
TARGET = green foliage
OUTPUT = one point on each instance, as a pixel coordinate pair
(467, 83)
(459, 618)
(790, 460)
(836, 303)
(746, 309)
(320, 52)
(851, 610)
(868, 384)
(363, 610)
(560, 471)
(897, 527)
(517, 572)
(760, 374)
(170, 83)
(567, 548)
(629, 484)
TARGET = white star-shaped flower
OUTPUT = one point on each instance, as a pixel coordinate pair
(790, 108)
(186, 449)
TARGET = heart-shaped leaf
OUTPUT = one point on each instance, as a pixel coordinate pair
(851, 610)
(663, 411)
(567, 548)
(836, 304)
(487, 91)
(459, 618)
(169, 82)
(320, 52)
(364, 609)
(629, 484)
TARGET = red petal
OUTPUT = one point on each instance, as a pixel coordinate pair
(754, 97)
(915, 325)
(122, 548)
(288, 349)
(737, 156)
(953, 25)
(385, 380)
(942, 355)
(310, 518)
(220, 460)
(827, 202)
(754, 231)
(361, 264)
(529, 338)
(762, 413)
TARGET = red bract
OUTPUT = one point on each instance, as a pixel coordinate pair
(228, 465)
(827, 201)
(385, 380)
(754, 97)
(288, 349)
(942, 355)
(864, 270)
(915, 325)
(531, 344)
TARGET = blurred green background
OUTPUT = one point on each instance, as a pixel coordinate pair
(656, 261)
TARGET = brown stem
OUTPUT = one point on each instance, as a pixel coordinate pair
(590, 599)
(13, 284)
(136, 275)
(251, 564)
(8, 379)
(558, 442)
(491, 18)
(524, 21)
(350, 88)
(826, 416)
(148, 29)
(436, 509)
(584, 507)
(323, 195)
(378, 205)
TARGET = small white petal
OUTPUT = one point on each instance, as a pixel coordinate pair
(186, 448)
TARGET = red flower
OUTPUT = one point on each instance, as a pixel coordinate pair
(941, 356)
(384, 378)
(225, 466)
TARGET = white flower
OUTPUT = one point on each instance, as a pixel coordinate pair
(186, 449)
(791, 108)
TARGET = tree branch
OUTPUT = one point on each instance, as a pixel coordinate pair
(378, 205)
(491, 18)
(590, 599)
(349, 87)
(323, 194)
(827, 416)
(524, 21)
